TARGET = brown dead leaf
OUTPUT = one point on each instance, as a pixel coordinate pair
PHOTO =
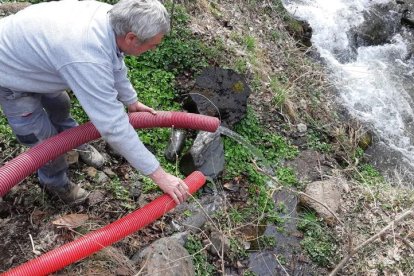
(91, 171)
(71, 220)
(231, 186)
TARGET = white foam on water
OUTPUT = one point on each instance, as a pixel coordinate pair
(370, 85)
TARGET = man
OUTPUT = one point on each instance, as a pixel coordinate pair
(80, 45)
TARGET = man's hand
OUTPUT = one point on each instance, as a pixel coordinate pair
(140, 107)
(171, 185)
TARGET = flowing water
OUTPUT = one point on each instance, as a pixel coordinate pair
(246, 143)
(374, 82)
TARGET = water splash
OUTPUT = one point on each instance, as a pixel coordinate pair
(246, 143)
(376, 83)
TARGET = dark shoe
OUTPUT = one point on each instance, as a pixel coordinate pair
(91, 156)
(71, 194)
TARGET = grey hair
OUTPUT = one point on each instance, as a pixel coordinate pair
(145, 18)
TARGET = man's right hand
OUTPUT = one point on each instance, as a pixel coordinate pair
(140, 107)
(171, 185)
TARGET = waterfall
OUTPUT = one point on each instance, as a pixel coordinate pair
(374, 82)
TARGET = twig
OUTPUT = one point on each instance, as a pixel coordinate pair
(205, 212)
(142, 268)
(368, 241)
(321, 203)
(8, 155)
(406, 242)
(277, 260)
(36, 252)
(300, 193)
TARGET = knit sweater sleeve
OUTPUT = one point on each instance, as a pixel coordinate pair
(94, 86)
(126, 93)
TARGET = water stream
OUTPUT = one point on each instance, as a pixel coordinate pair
(374, 82)
(265, 164)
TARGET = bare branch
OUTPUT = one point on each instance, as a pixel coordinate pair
(368, 241)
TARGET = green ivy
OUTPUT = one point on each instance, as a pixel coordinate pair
(239, 162)
(273, 147)
(287, 176)
(367, 174)
(320, 246)
(180, 52)
(194, 247)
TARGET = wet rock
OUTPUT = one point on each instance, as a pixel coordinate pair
(221, 93)
(379, 26)
(365, 140)
(206, 155)
(392, 164)
(175, 145)
(327, 192)
(199, 215)
(408, 18)
(135, 190)
(165, 257)
(300, 30)
(407, 11)
(287, 245)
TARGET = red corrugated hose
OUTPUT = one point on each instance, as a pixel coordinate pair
(97, 240)
(25, 164)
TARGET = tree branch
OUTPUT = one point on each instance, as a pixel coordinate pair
(368, 241)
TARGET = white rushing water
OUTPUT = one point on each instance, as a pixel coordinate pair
(371, 83)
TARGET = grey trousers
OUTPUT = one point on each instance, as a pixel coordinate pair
(35, 117)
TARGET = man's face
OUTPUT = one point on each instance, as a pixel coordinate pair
(131, 45)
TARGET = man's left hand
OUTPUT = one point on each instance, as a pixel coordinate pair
(140, 107)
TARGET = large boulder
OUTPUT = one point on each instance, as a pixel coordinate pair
(327, 192)
(381, 22)
(407, 11)
(206, 155)
(221, 93)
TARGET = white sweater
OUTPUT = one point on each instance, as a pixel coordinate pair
(50, 47)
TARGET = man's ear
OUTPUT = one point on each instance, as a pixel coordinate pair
(130, 38)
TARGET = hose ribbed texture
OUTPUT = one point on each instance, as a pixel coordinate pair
(97, 240)
(26, 163)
